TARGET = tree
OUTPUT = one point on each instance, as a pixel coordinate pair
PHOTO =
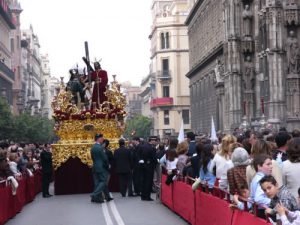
(6, 121)
(35, 128)
(139, 125)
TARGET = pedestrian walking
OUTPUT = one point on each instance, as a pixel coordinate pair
(100, 171)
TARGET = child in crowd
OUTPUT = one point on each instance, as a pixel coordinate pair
(244, 194)
(277, 195)
(263, 166)
(287, 217)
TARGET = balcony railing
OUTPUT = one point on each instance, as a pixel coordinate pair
(164, 75)
(8, 72)
(161, 102)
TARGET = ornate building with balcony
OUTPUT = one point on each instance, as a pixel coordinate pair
(165, 90)
(7, 76)
(15, 45)
(32, 73)
(244, 64)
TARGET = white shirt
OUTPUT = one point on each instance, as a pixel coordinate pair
(292, 218)
(171, 165)
(222, 166)
(290, 176)
(13, 167)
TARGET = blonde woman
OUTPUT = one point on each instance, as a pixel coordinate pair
(222, 161)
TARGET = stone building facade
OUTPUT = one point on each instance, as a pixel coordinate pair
(7, 76)
(244, 63)
(15, 46)
(165, 90)
(133, 99)
(31, 72)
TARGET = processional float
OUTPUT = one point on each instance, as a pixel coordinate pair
(76, 124)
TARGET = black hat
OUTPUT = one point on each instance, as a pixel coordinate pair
(98, 136)
(153, 138)
(136, 138)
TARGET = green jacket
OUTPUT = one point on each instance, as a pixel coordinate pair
(100, 161)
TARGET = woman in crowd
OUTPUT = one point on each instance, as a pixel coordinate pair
(205, 163)
(181, 151)
(220, 161)
(171, 165)
(237, 175)
(4, 166)
(13, 163)
(291, 167)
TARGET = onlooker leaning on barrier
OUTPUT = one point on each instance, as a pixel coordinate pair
(291, 167)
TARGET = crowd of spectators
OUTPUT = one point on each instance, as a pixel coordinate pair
(258, 169)
(20, 160)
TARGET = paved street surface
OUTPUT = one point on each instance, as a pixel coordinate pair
(78, 210)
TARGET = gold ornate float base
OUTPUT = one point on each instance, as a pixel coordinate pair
(77, 138)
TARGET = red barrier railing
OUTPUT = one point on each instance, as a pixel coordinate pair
(10, 204)
(204, 206)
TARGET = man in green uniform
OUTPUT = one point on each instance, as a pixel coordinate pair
(100, 171)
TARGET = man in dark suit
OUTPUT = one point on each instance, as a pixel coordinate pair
(192, 143)
(147, 161)
(136, 170)
(123, 164)
(100, 171)
(46, 163)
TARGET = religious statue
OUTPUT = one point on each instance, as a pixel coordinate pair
(218, 71)
(76, 87)
(293, 54)
(249, 74)
(247, 17)
(100, 79)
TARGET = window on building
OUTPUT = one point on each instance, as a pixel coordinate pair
(166, 117)
(18, 42)
(166, 91)
(186, 116)
(12, 45)
(165, 67)
(162, 41)
(167, 41)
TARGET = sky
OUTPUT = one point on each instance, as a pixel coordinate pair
(116, 30)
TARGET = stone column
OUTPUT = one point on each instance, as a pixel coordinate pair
(232, 79)
(292, 22)
(276, 103)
